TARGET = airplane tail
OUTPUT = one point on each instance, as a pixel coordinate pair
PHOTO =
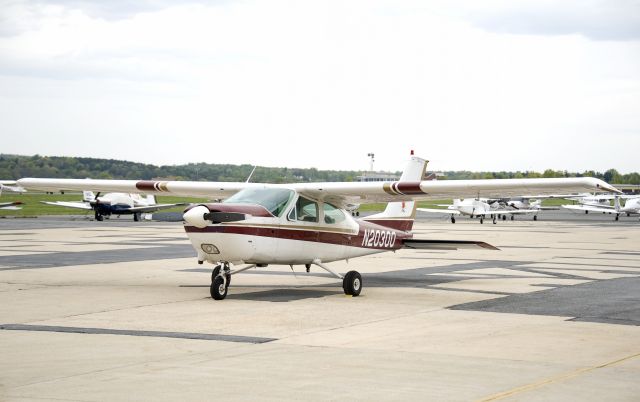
(616, 203)
(401, 214)
(88, 196)
(151, 199)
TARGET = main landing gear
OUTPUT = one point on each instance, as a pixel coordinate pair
(453, 220)
(99, 217)
(221, 279)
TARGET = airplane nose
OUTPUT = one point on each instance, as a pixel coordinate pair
(195, 216)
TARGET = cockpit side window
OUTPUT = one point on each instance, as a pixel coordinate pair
(306, 210)
(332, 214)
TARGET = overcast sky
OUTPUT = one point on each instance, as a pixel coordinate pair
(470, 85)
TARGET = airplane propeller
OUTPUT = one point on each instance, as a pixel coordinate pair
(200, 216)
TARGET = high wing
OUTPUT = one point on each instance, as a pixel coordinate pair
(335, 192)
(440, 211)
(69, 204)
(357, 192)
(178, 188)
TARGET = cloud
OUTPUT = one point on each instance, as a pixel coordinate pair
(612, 20)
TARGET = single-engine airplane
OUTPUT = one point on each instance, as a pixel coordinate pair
(306, 223)
(115, 204)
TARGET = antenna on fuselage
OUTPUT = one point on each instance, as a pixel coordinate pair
(251, 174)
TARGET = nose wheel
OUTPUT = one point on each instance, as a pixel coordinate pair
(220, 281)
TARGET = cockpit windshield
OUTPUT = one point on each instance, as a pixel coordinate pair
(275, 200)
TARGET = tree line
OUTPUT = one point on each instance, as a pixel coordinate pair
(18, 166)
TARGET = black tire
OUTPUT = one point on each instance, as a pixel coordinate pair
(535, 217)
(218, 289)
(494, 221)
(504, 217)
(481, 220)
(352, 283)
(513, 218)
(136, 217)
(99, 217)
(453, 220)
(216, 272)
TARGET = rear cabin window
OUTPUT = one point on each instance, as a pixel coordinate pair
(332, 214)
(305, 210)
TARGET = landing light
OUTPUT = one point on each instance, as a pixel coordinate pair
(210, 249)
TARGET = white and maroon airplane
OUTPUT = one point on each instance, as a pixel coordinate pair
(306, 223)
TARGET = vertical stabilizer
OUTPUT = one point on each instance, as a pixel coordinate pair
(151, 199)
(88, 196)
(401, 214)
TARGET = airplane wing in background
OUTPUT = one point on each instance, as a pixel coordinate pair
(589, 208)
(69, 204)
(440, 211)
(11, 205)
(156, 207)
(337, 193)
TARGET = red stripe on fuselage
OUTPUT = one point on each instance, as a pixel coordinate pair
(350, 240)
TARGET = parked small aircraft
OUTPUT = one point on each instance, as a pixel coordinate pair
(115, 204)
(11, 186)
(11, 205)
(481, 208)
(631, 206)
(306, 223)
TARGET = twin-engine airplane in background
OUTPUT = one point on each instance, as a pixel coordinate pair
(480, 208)
(492, 208)
(115, 204)
(307, 224)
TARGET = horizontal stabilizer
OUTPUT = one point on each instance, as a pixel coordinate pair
(421, 244)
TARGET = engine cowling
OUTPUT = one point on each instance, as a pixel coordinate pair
(195, 216)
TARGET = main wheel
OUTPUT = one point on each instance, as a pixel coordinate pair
(535, 217)
(453, 220)
(218, 288)
(513, 217)
(136, 217)
(504, 217)
(494, 220)
(99, 217)
(352, 283)
(481, 220)
(216, 272)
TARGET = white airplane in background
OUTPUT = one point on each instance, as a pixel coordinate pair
(631, 206)
(115, 204)
(481, 208)
(11, 186)
(306, 223)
